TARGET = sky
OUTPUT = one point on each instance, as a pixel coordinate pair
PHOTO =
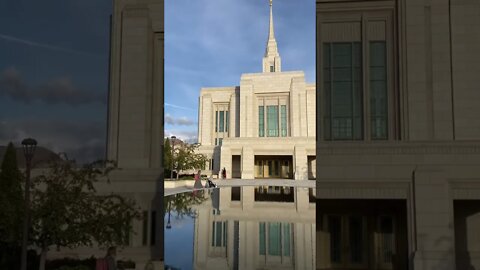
(211, 43)
(54, 63)
(54, 74)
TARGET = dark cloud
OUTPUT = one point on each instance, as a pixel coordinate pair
(55, 91)
(82, 141)
(181, 121)
(186, 136)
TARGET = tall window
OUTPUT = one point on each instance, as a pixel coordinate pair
(226, 121)
(283, 115)
(378, 90)
(274, 239)
(221, 122)
(272, 121)
(216, 121)
(272, 68)
(261, 124)
(343, 91)
(219, 234)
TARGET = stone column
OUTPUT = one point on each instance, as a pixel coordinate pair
(300, 163)
(248, 163)
(226, 161)
(434, 221)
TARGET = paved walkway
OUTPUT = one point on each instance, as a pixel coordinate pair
(246, 182)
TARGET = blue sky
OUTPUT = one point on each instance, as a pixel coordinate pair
(210, 43)
(54, 74)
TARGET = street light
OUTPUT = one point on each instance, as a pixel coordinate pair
(29, 146)
(173, 147)
(169, 225)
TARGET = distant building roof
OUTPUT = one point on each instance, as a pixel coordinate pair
(41, 157)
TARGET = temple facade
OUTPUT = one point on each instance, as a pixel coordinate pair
(263, 128)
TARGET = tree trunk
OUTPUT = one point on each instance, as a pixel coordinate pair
(43, 258)
(177, 175)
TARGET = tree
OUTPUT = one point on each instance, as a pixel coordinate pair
(187, 158)
(167, 157)
(11, 205)
(68, 212)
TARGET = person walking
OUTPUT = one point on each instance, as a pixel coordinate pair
(224, 173)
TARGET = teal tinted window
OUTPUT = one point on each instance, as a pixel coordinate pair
(261, 124)
(342, 75)
(221, 122)
(262, 238)
(286, 239)
(378, 90)
(274, 239)
(226, 121)
(283, 115)
(272, 121)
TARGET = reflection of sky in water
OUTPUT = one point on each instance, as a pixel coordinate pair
(179, 242)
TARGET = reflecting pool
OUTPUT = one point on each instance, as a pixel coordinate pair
(238, 228)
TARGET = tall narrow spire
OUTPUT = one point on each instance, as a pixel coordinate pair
(271, 59)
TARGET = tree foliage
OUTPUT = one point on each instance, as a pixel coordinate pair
(167, 156)
(188, 158)
(67, 211)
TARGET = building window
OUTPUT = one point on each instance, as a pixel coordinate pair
(216, 121)
(145, 228)
(261, 119)
(226, 121)
(153, 227)
(342, 74)
(378, 90)
(272, 68)
(283, 116)
(219, 234)
(272, 121)
(220, 140)
(274, 239)
(216, 141)
(222, 119)
(387, 241)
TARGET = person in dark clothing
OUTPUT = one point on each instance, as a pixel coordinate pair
(110, 258)
(224, 173)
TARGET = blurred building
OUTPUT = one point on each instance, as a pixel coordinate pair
(398, 131)
(255, 228)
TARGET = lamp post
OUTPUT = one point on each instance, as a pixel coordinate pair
(173, 151)
(29, 146)
(169, 225)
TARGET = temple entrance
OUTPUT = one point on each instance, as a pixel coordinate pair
(361, 234)
(273, 167)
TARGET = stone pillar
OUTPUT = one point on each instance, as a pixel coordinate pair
(301, 199)
(248, 197)
(248, 163)
(434, 222)
(300, 163)
(226, 161)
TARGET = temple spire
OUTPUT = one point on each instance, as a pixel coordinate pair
(271, 59)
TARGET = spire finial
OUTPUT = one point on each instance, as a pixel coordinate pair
(271, 60)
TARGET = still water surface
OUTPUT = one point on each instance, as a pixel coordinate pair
(241, 228)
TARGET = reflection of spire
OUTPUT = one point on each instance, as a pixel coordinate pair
(271, 59)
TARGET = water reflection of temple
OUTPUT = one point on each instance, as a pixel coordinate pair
(256, 228)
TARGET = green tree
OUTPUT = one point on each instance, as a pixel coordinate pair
(167, 157)
(188, 158)
(68, 212)
(11, 205)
